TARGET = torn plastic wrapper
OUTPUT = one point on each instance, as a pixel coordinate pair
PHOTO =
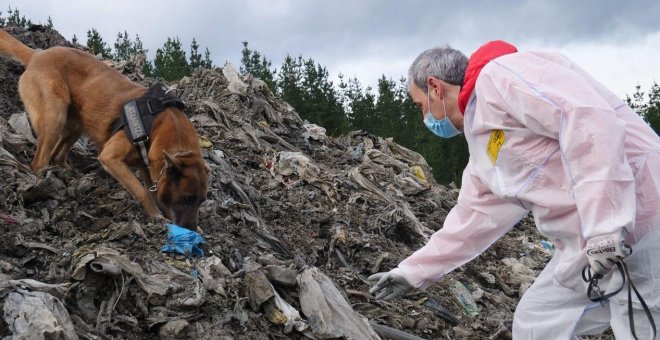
(183, 241)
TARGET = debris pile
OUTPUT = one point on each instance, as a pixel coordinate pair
(294, 223)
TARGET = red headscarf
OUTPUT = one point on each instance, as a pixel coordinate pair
(478, 60)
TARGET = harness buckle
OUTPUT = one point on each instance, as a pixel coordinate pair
(154, 105)
(143, 138)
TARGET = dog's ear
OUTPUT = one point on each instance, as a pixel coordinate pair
(171, 163)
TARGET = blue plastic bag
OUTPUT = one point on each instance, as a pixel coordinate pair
(183, 241)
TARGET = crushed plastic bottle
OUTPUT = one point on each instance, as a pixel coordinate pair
(464, 297)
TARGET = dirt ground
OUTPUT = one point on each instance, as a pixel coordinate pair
(285, 201)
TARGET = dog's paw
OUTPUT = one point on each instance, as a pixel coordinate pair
(159, 219)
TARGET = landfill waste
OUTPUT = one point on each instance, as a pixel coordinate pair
(183, 241)
(464, 297)
(294, 222)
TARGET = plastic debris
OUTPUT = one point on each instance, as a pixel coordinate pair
(235, 84)
(547, 245)
(37, 315)
(358, 151)
(314, 132)
(464, 297)
(183, 241)
(205, 142)
(326, 309)
(418, 172)
(291, 167)
(262, 294)
(434, 305)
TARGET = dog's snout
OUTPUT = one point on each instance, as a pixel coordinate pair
(187, 221)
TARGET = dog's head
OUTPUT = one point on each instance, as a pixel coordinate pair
(182, 187)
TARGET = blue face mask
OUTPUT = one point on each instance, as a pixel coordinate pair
(443, 127)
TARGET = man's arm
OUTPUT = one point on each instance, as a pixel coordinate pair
(475, 223)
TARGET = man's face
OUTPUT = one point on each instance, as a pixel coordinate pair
(424, 103)
(433, 102)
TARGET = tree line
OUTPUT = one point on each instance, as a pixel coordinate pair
(340, 107)
(170, 62)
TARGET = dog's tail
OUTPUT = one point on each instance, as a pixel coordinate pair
(12, 48)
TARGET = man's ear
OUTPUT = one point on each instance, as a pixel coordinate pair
(435, 86)
(432, 83)
(171, 163)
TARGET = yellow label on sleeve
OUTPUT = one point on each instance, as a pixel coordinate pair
(494, 144)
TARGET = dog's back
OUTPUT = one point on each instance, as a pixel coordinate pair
(92, 90)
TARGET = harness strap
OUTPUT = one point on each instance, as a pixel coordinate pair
(143, 147)
(138, 114)
(594, 294)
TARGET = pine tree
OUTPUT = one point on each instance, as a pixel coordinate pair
(49, 23)
(138, 49)
(388, 108)
(649, 111)
(289, 81)
(170, 62)
(123, 47)
(254, 63)
(74, 40)
(637, 101)
(97, 45)
(341, 94)
(15, 18)
(360, 106)
(195, 56)
(207, 63)
(148, 69)
(652, 114)
(322, 105)
(126, 49)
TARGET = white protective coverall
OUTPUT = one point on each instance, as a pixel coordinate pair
(546, 137)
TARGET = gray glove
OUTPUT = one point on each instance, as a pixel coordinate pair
(604, 251)
(390, 285)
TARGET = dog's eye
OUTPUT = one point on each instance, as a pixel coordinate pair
(189, 200)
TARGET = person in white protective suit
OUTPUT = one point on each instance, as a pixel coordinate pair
(546, 137)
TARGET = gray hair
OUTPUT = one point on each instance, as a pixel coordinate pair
(444, 63)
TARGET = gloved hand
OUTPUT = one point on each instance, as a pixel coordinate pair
(604, 251)
(390, 285)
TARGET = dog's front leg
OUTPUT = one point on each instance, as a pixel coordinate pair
(146, 179)
(112, 159)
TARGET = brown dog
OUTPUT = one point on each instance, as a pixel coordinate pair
(68, 92)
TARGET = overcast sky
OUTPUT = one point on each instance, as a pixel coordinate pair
(617, 41)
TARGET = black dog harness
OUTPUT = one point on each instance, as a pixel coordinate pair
(138, 114)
